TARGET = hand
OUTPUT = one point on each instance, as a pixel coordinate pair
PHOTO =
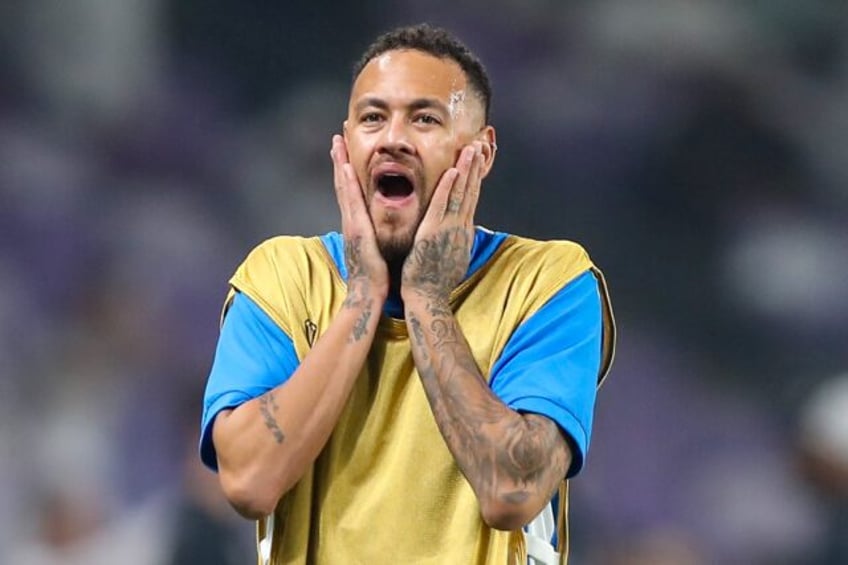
(367, 272)
(442, 250)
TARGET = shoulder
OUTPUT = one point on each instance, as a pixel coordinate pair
(284, 254)
(280, 272)
(282, 248)
(524, 274)
(567, 262)
(545, 249)
(556, 262)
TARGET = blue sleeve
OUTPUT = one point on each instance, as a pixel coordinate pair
(550, 364)
(253, 356)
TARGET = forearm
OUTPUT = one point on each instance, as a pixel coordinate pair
(265, 445)
(512, 461)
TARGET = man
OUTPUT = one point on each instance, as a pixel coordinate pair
(415, 389)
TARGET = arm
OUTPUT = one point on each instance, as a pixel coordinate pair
(266, 444)
(512, 461)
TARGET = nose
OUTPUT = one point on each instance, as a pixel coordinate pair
(396, 137)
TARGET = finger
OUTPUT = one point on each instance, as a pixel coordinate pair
(466, 159)
(439, 201)
(472, 189)
(354, 198)
(341, 145)
(348, 192)
(338, 152)
(356, 221)
(339, 181)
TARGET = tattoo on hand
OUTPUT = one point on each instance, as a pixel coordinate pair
(418, 334)
(435, 265)
(268, 407)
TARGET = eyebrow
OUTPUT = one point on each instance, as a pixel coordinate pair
(417, 104)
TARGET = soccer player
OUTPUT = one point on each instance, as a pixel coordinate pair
(414, 389)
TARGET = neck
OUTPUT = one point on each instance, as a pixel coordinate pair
(395, 274)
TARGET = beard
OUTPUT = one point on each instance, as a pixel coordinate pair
(396, 246)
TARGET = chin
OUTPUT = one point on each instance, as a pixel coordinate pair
(395, 248)
(396, 236)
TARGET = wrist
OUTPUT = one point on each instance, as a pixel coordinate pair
(417, 300)
(361, 292)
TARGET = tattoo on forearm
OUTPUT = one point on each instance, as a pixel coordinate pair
(528, 458)
(418, 334)
(268, 407)
(519, 453)
(360, 328)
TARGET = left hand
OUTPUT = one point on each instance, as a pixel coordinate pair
(441, 252)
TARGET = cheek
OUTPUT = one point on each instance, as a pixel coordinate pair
(440, 157)
(358, 142)
(355, 151)
(357, 155)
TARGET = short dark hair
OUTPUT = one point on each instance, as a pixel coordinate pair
(439, 43)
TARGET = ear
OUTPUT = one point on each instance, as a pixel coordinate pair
(344, 131)
(490, 148)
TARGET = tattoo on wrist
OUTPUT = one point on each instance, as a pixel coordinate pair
(268, 407)
(357, 295)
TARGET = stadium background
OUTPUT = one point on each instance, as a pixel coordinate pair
(699, 150)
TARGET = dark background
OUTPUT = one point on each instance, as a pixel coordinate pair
(698, 150)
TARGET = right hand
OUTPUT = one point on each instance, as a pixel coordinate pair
(368, 275)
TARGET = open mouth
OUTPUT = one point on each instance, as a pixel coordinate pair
(394, 186)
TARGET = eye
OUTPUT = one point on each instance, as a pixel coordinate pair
(370, 117)
(428, 119)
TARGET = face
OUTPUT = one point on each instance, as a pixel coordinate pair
(410, 115)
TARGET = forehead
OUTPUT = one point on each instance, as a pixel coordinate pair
(408, 75)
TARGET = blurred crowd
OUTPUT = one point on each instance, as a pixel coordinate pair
(699, 150)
